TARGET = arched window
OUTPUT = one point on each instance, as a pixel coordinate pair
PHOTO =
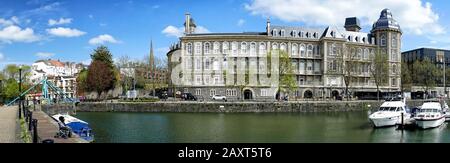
(394, 69)
(310, 51)
(225, 47)
(262, 48)
(366, 53)
(383, 40)
(234, 48)
(189, 48)
(294, 50)
(333, 49)
(253, 48)
(274, 32)
(274, 46)
(216, 47)
(302, 51)
(207, 48)
(243, 48)
(294, 33)
(394, 41)
(307, 34)
(198, 48)
(302, 34)
(282, 33)
(283, 47)
(359, 54)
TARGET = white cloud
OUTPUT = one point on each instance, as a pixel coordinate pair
(173, 31)
(2, 57)
(179, 31)
(44, 54)
(65, 32)
(241, 22)
(102, 39)
(61, 21)
(414, 16)
(9, 22)
(16, 34)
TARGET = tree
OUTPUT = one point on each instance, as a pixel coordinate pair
(103, 54)
(81, 81)
(100, 77)
(348, 64)
(286, 70)
(11, 89)
(426, 74)
(379, 69)
(406, 78)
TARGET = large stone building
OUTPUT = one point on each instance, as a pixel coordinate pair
(205, 64)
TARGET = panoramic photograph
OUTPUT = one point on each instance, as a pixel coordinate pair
(230, 71)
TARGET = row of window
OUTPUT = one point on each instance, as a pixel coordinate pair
(245, 48)
(294, 33)
(394, 41)
(216, 79)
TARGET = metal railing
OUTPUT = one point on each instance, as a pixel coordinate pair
(28, 116)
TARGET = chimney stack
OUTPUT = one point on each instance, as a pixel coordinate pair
(352, 24)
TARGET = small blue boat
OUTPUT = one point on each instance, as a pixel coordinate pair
(79, 127)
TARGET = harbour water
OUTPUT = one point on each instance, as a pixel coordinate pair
(335, 127)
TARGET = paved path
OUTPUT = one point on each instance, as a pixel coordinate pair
(8, 124)
(47, 129)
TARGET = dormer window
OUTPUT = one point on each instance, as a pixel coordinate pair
(294, 33)
(282, 33)
(302, 34)
(332, 34)
(315, 34)
(364, 39)
(274, 32)
(357, 39)
(307, 34)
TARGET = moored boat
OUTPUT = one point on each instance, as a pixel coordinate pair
(390, 113)
(430, 115)
(79, 127)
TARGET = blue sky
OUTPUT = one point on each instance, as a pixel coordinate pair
(69, 30)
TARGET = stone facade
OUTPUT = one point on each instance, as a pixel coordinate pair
(223, 63)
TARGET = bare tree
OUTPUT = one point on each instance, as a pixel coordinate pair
(348, 64)
(379, 69)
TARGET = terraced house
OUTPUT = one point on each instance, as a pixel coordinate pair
(317, 55)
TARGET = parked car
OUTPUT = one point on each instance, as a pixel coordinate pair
(188, 97)
(163, 95)
(219, 97)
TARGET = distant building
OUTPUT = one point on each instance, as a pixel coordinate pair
(439, 57)
(211, 63)
(62, 74)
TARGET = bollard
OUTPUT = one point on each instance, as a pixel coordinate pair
(35, 136)
(30, 117)
(20, 110)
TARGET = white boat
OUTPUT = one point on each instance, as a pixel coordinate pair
(390, 113)
(430, 115)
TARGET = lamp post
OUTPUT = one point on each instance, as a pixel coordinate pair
(20, 92)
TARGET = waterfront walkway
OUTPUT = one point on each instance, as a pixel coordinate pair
(47, 129)
(8, 124)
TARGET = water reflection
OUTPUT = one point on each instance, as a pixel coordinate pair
(333, 127)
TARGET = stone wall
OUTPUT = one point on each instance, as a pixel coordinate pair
(227, 107)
